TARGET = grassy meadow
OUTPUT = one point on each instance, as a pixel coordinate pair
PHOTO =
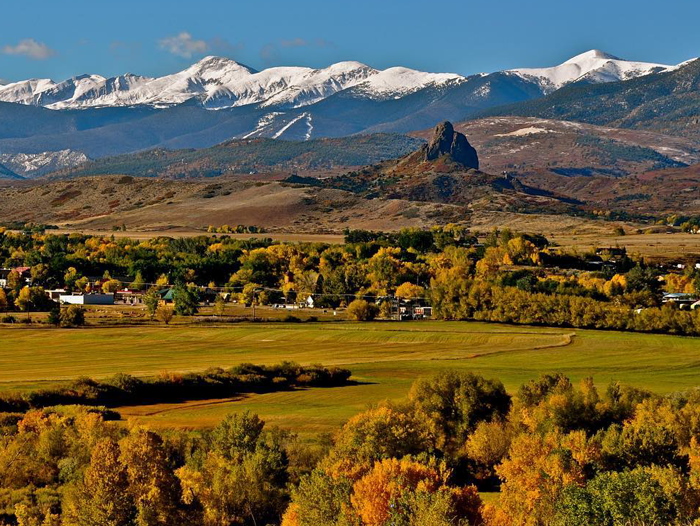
(385, 359)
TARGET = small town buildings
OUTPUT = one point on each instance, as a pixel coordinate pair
(682, 299)
(422, 312)
(129, 296)
(24, 274)
(4, 274)
(167, 296)
(55, 294)
(87, 299)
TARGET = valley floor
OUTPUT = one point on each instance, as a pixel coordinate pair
(384, 357)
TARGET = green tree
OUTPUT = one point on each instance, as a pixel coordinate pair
(39, 273)
(186, 300)
(138, 283)
(219, 305)
(70, 277)
(457, 402)
(55, 316)
(151, 300)
(243, 478)
(111, 286)
(639, 496)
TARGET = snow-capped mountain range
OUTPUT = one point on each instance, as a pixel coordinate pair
(218, 99)
(217, 83)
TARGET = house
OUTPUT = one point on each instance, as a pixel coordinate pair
(309, 302)
(167, 296)
(422, 312)
(208, 295)
(682, 299)
(55, 294)
(129, 296)
(87, 299)
(24, 273)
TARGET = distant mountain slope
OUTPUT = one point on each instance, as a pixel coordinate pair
(36, 165)
(667, 102)
(243, 156)
(657, 193)
(6, 173)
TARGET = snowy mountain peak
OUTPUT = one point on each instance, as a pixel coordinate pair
(593, 66)
(593, 54)
(218, 64)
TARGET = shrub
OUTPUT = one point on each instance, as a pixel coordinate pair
(361, 310)
(73, 316)
(165, 313)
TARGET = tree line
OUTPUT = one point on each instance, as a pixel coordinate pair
(558, 453)
(123, 389)
(499, 276)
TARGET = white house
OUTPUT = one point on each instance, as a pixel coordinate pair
(310, 302)
(55, 294)
(87, 299)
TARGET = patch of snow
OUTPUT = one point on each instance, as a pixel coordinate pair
(310, 125)
(289, 125)
(483, 91)
(263, 124)
(532, 130)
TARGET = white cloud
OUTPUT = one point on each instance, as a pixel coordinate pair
(30, 48)
(183, 45)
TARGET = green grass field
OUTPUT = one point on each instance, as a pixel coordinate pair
(385, 359)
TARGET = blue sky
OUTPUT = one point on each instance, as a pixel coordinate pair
(154, 37)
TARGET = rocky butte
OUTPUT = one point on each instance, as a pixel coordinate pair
(446, 141)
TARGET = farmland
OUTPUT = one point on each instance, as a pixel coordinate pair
(385, 359)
